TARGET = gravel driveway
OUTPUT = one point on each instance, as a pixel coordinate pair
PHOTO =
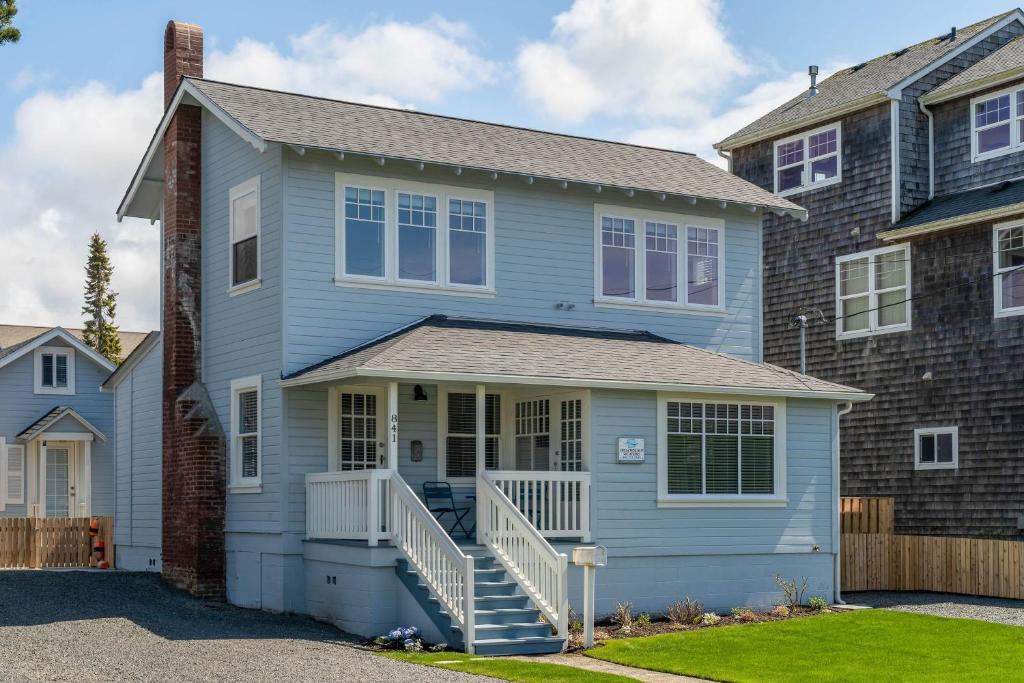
(997, 610)
(100, 626)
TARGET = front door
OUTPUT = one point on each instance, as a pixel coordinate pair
(361, 430)
(549, 433)
(60, 480)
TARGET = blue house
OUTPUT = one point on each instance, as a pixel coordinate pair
(363, 305)
(56, 459)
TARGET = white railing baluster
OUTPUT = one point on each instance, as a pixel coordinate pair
(556, 503)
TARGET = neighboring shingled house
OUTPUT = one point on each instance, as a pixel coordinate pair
(55, 457)
(910, 165)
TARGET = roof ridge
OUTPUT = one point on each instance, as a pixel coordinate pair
(446, 116)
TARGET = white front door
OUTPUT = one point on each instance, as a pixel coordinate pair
(61, 477)
(570, 441)
(550, 433)
(362, 430)
(533, 434)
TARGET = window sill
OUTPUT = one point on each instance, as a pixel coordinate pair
(809, 188)
(665, 308)
(245, 488)
(1009, 312)
(995, 154)
(872, 333)
(935, 466)
(722, 501)
(410, 287)
(54, 391)
(245, 287)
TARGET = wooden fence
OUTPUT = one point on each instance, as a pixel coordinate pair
(874, 558)
(31, 542)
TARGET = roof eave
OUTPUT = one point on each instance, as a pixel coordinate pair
(972, 87)
(422, 376)
(134, 358)
(953, 222)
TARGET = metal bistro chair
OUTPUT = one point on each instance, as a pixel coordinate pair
(437, 495)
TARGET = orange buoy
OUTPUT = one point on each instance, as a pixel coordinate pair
(94, 527)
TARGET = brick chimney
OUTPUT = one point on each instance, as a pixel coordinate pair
(193, 441)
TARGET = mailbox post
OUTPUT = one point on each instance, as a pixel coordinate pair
(590, 558)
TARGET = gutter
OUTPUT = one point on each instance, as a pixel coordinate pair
(931, 148)
(843, 409)
(727, 155)
(954, 222)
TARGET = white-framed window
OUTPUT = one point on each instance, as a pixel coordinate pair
(392, 233)
(246, 435)
(936, 448)
(721, 451)
(245, 236)
(997, 124)
(456, 462)
(809, 160)
(54, 370)
(658, 259)
(873, 292)
(1008, 267)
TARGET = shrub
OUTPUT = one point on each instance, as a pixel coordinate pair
(407, 639)
(575, 623)
(624, 615)
(817, 603)
(710, 619)
(688, 611)
(644, 619)
(744, 614)
(780, 611)
(792, 592)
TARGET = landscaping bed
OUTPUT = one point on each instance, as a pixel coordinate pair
(611, 629)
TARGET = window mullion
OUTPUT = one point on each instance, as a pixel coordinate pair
(872, 296)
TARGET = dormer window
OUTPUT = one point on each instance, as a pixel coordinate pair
(997, 123)
(807, 161)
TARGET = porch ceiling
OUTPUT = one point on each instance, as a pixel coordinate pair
(442, 348)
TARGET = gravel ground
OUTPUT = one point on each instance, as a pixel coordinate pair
(997, 610)
(100, 626)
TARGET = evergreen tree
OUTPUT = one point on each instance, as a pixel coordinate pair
(100, 302)
(8, 34)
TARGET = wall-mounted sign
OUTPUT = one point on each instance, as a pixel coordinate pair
(631, 449)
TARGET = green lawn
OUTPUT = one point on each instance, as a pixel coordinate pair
(869, 645)
(506, 669)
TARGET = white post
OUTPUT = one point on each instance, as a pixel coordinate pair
(85, 499)
(42, 478)
(373, 508)
(584, 513)
(589, 590)
(392, 426)
(469, 607)
(481, 456)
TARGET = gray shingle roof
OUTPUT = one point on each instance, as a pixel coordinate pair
(314, 122)
(13, 337)
(1004, 61)
(861, 82)
(458, 346)
(964, 204)
(53, 416)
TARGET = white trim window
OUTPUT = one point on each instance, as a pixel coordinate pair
(657, 259)
(936, 448)
(405, 235)
(873, 292)
(54, 370)
(246, 433)
(1008, 266)
(809, 160)
(997, 124)
(720, 451)
(245, 237)
(456, 462)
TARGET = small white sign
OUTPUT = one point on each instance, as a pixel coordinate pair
(631, 449)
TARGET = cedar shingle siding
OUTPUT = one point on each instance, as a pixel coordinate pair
(976, 361)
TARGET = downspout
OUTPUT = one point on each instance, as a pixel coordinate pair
(931, 149)
(728, 159)
(843, 409)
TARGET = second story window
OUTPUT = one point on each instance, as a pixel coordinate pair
(657, 259)
(54, 370)
(808, 160)
(997, 124)
(1008, 284)
(873, 292)
(244, 219)
(392, 233)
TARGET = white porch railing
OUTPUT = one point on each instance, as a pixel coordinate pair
(347, 505)
(556, 503)
(539, 570)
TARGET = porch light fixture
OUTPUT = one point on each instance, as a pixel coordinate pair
(418, 393)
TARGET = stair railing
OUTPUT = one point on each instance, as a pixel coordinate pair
(443, 567)
(528, 558)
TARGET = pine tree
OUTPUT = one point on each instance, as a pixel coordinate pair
(8, 33)
(100, 302)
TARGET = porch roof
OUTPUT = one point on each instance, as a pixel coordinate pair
(54, 416)
(442, 348)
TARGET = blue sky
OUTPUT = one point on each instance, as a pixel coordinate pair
(79, 99)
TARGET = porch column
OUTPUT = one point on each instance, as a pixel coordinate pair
(392, 426)
(42, 478)
(85, 477)
(481, 454)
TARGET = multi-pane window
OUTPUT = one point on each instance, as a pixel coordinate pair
(1009, 270)
(808, 160)
(245, 233)
(246, 466)
(720, 448)
(467, 242)
(873, 292)
(391, 232)
(54, 370)
(460, 441)
(678, 264)
(936, 448)
(417, 237)
(571, 436)
(358, 424)
(997, 124)
(533, 435)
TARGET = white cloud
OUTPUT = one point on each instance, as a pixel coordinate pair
(646, 59)
(72, 154)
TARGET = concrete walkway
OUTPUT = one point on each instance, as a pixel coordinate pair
(580, 661)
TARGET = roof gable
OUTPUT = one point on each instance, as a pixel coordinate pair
(1002, 66)
(53, 417)
(12, 353)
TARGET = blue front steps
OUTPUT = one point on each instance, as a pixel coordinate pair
(506, 621)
